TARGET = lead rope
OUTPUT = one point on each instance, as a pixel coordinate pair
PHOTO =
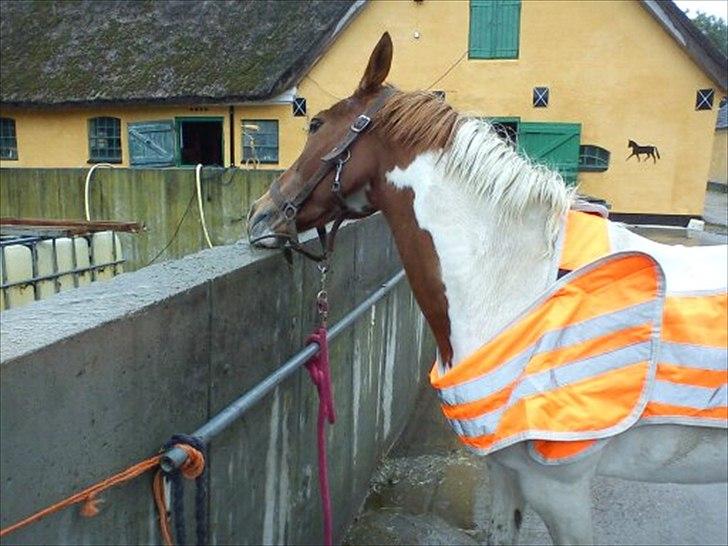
(319, 370)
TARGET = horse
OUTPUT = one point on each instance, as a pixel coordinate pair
(637, 149)
(476, 226)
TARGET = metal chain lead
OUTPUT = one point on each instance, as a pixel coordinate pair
(322, 298)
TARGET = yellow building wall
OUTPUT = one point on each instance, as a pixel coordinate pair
(609, 66)
(719, 159)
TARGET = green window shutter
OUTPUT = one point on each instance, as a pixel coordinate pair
(152, 144)
(494, 29)
(555, 145)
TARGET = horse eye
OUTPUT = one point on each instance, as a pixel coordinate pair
(314, 125)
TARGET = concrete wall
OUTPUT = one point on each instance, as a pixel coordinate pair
(98, 378)
(162, 199)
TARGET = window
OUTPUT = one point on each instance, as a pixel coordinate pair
(299, 107)
(8, 141)
(494, 29)
(260, 140)
(704, 99)
(540, 97)
(104, 140)
(593, 158)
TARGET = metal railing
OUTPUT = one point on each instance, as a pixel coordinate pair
(175, 457)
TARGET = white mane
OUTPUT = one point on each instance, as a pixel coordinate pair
(480, 160)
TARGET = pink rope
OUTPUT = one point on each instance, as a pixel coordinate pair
(318, 368)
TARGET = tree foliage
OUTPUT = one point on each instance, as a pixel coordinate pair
(714, 28)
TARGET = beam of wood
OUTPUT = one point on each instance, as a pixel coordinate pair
(51, 227)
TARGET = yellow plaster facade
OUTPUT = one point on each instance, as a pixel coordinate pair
(719, 158)
(609, 66)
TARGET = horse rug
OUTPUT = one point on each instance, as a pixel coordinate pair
(604, 349)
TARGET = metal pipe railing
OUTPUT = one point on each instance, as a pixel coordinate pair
(175, 457)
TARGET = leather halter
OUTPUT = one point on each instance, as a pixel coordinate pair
(334, 160)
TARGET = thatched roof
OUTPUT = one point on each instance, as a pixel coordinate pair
(65, 52)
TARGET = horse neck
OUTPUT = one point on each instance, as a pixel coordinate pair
(491, 268)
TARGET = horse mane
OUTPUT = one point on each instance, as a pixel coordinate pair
(419, 120)
(472, 153)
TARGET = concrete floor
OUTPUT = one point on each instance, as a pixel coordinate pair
(715, 213)
(429, 490)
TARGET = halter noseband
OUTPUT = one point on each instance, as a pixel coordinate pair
(335, 159)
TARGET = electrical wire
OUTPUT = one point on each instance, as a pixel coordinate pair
(176, 230)
(453, 65)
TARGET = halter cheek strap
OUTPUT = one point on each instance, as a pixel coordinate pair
(335, 159)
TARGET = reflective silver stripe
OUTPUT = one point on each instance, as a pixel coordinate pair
(480, 426)
(677, 394)
(553, 379)
(497, 379)
(693, 356)
(582, 369)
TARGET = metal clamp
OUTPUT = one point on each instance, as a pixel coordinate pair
(289, 211)
(336, 186)
(322, 298)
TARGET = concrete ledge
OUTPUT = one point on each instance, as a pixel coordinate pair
(98, 378)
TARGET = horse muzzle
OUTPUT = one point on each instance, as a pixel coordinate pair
(266, 228)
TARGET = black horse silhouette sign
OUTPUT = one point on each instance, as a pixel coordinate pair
(649, 151)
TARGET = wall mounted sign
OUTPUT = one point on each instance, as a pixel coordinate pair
(649, 151)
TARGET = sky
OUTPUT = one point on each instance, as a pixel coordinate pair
(719, 8)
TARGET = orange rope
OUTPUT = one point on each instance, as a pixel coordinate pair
(87, 495)
(192, 468)
(162, 513)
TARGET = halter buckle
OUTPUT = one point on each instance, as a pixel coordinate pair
(289, 211)
(361, 123)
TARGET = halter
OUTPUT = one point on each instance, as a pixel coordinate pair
(334, 160)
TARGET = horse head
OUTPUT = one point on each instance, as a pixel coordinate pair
(342, 173)
(632, 144)
(335, 175)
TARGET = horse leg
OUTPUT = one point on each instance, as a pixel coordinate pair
(564, 506)
(507, 505)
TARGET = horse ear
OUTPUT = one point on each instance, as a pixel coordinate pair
(380, 62)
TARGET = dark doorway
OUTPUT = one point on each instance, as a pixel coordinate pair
(200, 141)
(507, 130)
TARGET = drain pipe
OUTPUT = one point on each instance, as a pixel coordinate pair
(231, 112)
(87, 187)
(198, 185)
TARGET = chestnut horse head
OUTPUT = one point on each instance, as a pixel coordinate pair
(341, 173)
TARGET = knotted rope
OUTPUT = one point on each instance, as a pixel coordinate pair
(193, 468)
(318, 369)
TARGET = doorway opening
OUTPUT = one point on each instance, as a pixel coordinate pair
(507, 129)
(200, 141)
